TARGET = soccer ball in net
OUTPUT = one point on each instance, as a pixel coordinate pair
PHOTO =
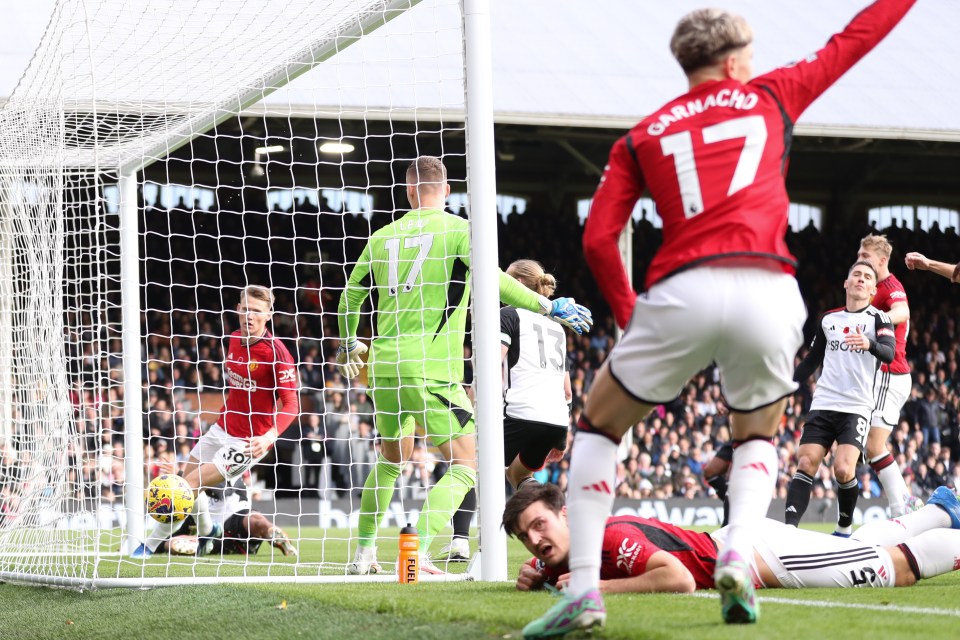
(169, 498)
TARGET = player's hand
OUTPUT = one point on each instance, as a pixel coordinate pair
(916, 260)
(348, 358)
(260, 445)
(857, 340)
(563, 581)
(567, 312)
(529, 578)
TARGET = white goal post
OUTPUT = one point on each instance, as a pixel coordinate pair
(154, 160)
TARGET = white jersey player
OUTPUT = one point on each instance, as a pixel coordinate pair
(850, 343)
(536, 396)
(243, 529)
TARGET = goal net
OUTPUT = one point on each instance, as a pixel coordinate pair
(155, 159)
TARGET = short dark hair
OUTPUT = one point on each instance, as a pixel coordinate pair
(549, 494)
(862, 263)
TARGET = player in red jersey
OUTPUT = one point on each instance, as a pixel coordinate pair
(893, 383)
(720, 289)
(262, 402)
(640, 555)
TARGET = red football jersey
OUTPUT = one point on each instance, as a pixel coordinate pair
(714, 161)
(889, 292)
(629, 541)
(259, 374)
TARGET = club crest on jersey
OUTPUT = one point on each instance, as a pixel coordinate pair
(252, 365)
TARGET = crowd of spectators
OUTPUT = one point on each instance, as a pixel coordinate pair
(195, 276)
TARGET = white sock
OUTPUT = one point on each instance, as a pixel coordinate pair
(753, 476)
(891, 479)
(590, 491)
(886, 533)
(201, 514)
(160, 533)
(936, 551)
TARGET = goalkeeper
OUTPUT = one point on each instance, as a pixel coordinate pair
(418, 267)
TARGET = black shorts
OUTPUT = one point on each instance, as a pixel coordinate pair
(825, 427)
(236, 538)
(532, 441)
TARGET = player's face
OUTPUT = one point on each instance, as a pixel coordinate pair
(544, 533)
(253, 316)
(861, 284)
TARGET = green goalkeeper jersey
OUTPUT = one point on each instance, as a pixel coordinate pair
(418, 267)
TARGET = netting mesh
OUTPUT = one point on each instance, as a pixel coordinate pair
(234, 190)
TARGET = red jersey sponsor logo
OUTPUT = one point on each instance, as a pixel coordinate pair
(627, 555)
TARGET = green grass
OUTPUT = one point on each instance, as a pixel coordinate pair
(454, 610)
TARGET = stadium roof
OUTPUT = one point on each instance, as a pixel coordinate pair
(606, 63)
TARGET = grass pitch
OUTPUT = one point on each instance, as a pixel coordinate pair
(444, 611)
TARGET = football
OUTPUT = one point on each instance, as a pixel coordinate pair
(169, 498)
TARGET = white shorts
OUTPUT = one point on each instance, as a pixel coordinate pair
(230, 454)
(890, 393)
(802, 558)
(747, 320)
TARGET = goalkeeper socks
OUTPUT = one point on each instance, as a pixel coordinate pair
(847, 501)
(201, 514)
(932, 553)
(798, 498)
(753, 477)
(886, 533)
(888, 471)
(591, 486)
(442, 500)
(464, 515)
(376, 496)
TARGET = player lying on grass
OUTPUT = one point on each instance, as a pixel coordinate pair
(648, 556)
(242, 529)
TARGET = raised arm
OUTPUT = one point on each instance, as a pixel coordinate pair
(919, 261)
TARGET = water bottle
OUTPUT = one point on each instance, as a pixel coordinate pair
(408, 565)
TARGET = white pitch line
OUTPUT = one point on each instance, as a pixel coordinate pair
(954, 613)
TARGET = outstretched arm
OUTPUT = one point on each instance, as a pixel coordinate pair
(919, 261)
(814, 359)
(664, 574)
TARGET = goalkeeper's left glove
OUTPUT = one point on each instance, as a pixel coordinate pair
(567, 312)
(348, 357)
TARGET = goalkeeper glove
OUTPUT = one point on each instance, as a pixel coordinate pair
(567, 312)
(348, 358)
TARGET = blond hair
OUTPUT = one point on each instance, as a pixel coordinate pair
(427, 173)
(878, 243)
(703, 36)
(257, 292)
(530, 273)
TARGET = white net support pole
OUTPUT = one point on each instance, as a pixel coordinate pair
(132, 383)
(481, 176)
(6, 320)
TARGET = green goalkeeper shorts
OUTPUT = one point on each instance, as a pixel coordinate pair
(441, 408)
